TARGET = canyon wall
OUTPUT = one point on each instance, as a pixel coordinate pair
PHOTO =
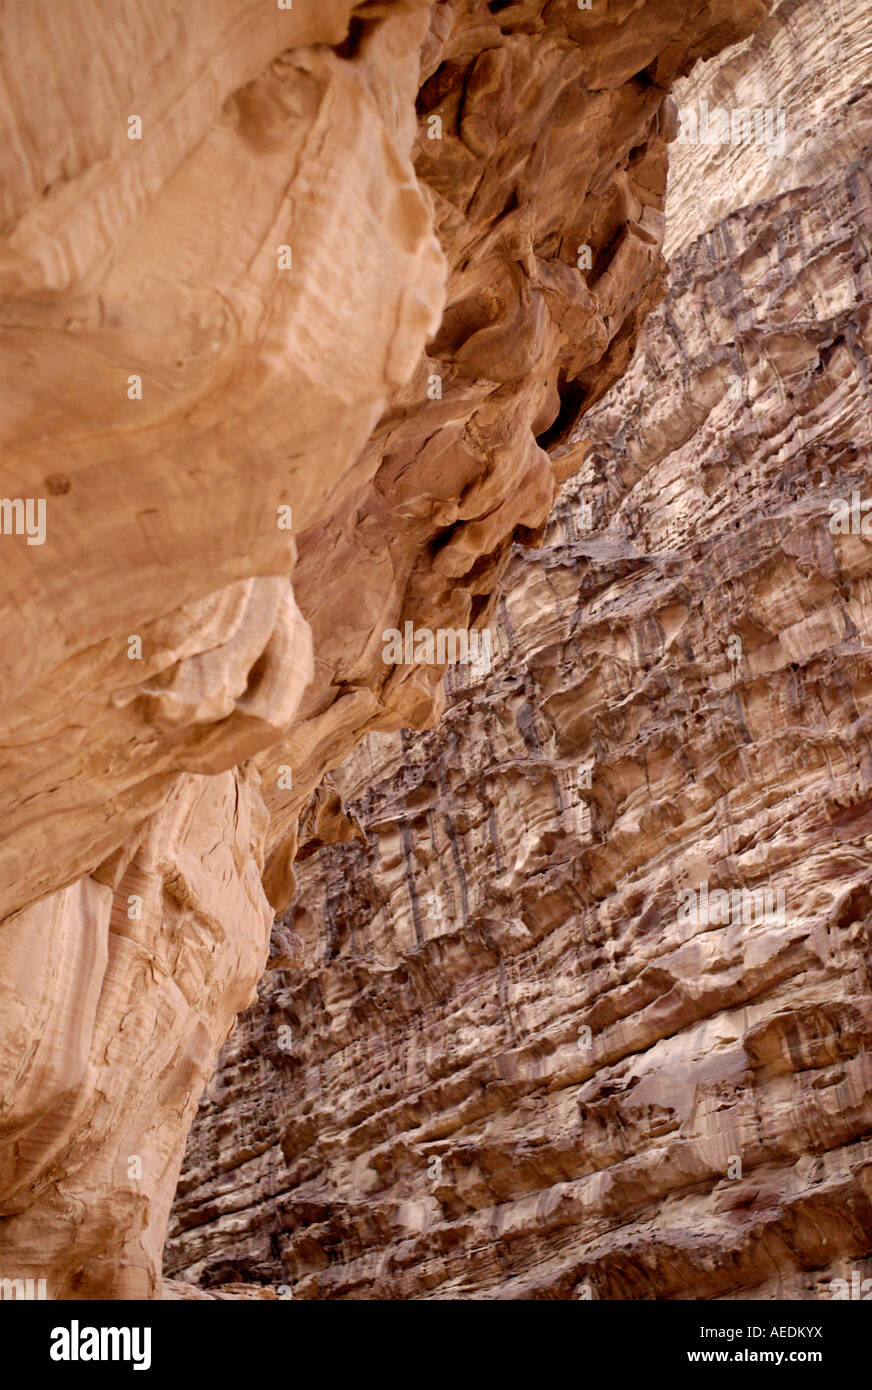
(299, 310)
(505, 1053)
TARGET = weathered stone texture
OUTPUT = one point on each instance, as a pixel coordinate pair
(232, 261)
(434, 1120)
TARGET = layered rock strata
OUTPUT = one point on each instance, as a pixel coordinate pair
(297, 305)
(520, 1060)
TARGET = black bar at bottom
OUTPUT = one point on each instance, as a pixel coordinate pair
(268, 1337)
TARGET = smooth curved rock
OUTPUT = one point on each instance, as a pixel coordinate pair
(297, 307)
(511, 1066)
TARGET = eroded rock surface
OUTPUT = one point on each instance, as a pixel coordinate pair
(512, 1066)
(295, 318)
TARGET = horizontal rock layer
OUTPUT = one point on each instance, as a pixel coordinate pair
(513, 1064)
(297, 304)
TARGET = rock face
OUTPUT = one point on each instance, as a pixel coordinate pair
(300, 308)
(586, 1013)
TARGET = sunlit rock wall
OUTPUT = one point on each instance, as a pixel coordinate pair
(520, 1059)
(297, 304)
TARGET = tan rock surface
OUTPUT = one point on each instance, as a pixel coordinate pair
(420, 1112)
(232, 262)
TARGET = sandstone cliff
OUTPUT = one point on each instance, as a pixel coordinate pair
(511, 1066)
(300, 307)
